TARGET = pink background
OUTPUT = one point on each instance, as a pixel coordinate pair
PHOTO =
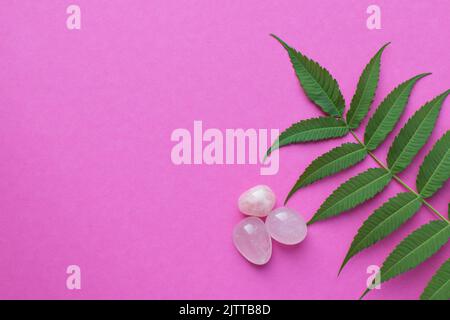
(86, 117)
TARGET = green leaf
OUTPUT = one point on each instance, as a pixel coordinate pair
(435, 169)
(415, 249)
(310, 130)
(388, 113)
(414, 134)
(353, 192)
(365, 91)
(333, 161)
(318, 84)
(439, 286)
(385, 220)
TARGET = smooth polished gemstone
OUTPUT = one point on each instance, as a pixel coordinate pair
(252, 240)
(257, 201)
(286, 226)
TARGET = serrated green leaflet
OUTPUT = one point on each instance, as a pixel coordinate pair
(435, 169)
(353, 192)
(414, 134)
(318, 84)
(365, 91)
(439, 286)
(388, 113)
(385, 220)
(336, 160)
(415, 249)
(310, 130)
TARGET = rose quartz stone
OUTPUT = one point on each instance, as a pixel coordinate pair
(252, 240)
(257, 201)
(286, 226)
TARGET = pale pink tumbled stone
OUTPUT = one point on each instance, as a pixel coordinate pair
(257, 201)
(286, 226)
(252, 240)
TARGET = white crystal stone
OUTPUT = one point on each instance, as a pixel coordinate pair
(252, 240)
(286, 226)
(257, 201)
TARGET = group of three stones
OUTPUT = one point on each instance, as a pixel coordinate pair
(253, 237)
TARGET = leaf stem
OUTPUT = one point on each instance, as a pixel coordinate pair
(397, 178)
(425, 202)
